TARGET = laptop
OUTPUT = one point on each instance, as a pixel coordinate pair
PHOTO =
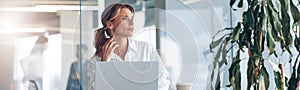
(126, 76)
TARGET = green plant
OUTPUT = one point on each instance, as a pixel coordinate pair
(265, 26)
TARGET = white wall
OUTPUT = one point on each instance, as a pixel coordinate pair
(6, 63)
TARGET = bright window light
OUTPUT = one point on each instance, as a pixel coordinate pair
(49, 8)
(22, 30)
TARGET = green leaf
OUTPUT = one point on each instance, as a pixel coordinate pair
(235, 75)
(223, 61)
(275, 22)
(218, 83)
(256, 55)
(240, 4)
(236, 32)
(287, 38)
(212, 75)
(297, 44)
(295, 12)
(284, 3)
(248, 19)
(250, 76)
(242, 41)
(232, 2)
(266, 77)
(222, 42)
(274, 14)
(224, 54)
(264, 18)
(278, 79)
(270, 40)
(217, 57)
(214, 44)
(234, 72)
(298, 70)
(278, 5)
(233, 67)
(255, 10)
(249, 1)
(238, 78)
(293, 81)
(286, 79)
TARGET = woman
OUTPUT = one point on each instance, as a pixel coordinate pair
(113, 43)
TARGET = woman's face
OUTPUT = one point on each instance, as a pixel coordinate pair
(123, 23)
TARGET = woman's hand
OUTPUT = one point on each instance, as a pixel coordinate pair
(108, 48)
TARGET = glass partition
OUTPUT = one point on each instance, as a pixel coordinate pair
(46, 43)
(180, 30)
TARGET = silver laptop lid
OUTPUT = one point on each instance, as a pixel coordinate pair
(126, 76)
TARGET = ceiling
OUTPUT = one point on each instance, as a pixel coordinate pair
(22, 16)
(22, 13)
(26, 13)
(20, 3)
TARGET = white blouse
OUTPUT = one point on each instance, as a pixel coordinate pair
(137, 51)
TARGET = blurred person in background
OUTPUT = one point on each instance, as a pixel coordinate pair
(77, 69)
(33, 65)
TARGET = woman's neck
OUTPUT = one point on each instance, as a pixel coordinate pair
(122, 49)
(122, 41)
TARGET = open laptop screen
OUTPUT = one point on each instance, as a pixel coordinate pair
(126, 76)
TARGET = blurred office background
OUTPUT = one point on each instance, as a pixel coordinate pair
(180, 30)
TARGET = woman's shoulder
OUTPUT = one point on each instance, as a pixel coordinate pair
(95, 58)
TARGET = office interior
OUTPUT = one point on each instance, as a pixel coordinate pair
(180, 30)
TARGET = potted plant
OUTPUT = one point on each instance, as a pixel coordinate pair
(265, 26)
